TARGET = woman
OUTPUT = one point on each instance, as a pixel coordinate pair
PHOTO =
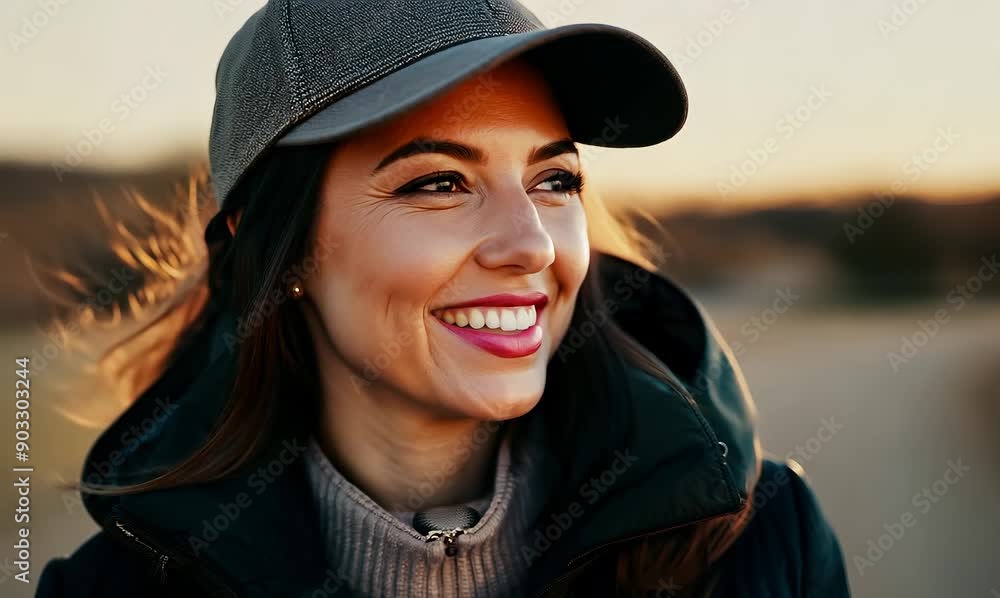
(426, 363)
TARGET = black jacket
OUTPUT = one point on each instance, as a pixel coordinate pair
(700, 459)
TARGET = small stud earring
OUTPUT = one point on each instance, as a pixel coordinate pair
(296, 291)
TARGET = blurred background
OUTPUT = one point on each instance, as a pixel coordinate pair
(834, 201)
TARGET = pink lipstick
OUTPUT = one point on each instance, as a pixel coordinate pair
(480, 326)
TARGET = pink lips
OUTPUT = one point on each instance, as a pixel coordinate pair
(521, 344)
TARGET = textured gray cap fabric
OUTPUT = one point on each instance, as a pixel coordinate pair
(313, 71)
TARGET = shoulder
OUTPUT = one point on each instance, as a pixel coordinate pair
(788, 537)
(100, 567)
(783, 490)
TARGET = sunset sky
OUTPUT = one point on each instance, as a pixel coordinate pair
(889, 80)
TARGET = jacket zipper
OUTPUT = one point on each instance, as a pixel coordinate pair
(162, 558)
(447, 537)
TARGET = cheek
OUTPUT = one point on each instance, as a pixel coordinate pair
(572, 247)
(413, 262)
(388, 274)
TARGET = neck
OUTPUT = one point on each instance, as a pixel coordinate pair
(402, 456)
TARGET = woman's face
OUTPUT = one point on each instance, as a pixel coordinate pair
(460, 246)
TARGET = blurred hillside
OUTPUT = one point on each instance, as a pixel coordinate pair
(53, 224)
(857, 251)
(852, 249)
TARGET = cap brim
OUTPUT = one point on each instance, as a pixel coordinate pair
(615, 88)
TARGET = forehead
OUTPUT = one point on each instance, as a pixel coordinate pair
(512, 98)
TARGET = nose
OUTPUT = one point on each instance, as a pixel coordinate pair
(518, 239)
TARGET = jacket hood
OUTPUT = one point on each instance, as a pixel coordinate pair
(695, 450)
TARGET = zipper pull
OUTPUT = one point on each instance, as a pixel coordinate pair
(446, 524)
(160, 566)
(724, 449)
(448, 537)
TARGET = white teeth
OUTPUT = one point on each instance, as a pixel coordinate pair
(523, 318)
(507, 319)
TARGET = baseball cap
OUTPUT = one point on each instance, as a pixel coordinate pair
(302, 72)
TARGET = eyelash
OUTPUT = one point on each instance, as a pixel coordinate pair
(572, 180)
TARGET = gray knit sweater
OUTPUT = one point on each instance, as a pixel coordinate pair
(379, 553)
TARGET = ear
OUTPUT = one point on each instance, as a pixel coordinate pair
(233, 219)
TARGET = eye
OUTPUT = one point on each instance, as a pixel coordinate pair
(436, 182)
(562, 181)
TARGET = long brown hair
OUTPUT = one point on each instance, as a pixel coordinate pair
(243, 272)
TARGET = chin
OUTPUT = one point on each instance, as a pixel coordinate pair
(498, 403)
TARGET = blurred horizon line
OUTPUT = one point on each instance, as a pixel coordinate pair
(182, 163)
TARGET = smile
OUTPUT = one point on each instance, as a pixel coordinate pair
(506, 319)
(504, 325)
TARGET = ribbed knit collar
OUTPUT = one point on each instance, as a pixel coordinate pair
(376, 552)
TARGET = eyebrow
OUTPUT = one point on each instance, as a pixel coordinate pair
(426, 145)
